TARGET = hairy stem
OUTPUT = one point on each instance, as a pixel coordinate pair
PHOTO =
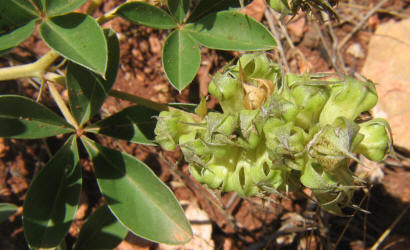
(61, 105)
(36, 69)
(115, 93)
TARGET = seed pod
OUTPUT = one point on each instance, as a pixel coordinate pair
(257, 66)
(228, 90)
(170, 126)
(376, 143)
(283, 138)
(250, 129)
(333, 190)
(333, 144)
(278, 133)
(309, 100)
(348, 99)
(277, 106)
(224, 124)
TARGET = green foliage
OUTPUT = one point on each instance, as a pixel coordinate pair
(208, 25)
(133, 124)
(52, 199)
(14, 14)
(79, 38)
(17, 22)
(178, 9)
(206, 7)
(128, 185)
(181, 58)
(6, 210)
(15, 37)
(59, 7)
(146, 14)
(100, 231)
(230, 30)
(20, 117)
(275, 130)
(86, 89)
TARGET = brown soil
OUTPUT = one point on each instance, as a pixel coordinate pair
(237, 223)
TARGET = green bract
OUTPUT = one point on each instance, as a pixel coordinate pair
(278, 132)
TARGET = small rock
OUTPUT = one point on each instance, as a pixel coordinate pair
(387, 65)
(155, 44)
(356, 51)
(296, 28)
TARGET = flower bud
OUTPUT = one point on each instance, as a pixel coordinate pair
(348, 99)
(376, 142)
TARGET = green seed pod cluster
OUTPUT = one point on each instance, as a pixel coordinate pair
(278, 133)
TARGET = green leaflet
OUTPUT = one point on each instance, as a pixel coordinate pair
(52, 198)
(181, 59)
(21, 117)
(137, 198)
(231, 30)
(79, 38)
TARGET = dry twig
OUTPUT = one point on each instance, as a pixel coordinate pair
(360, 24)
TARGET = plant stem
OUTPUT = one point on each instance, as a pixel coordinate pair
(139, 100)
(116, 93)
(36, 69)
(107, 16)
(62, 106)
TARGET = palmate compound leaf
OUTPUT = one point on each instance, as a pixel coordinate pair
(52, 198)
(88, 90)
(21, 117)
(138, 198)
(79, 38)
(100, 231)
(181, 58)
(134, 124)
(231, 30)
(146, 14)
